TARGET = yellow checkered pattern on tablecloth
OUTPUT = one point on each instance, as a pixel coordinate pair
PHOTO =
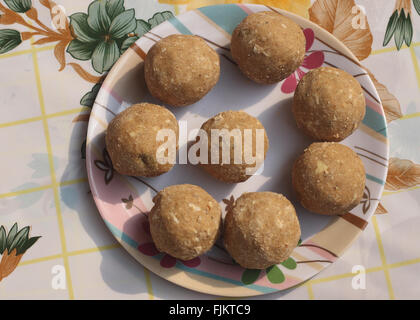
(385, 267)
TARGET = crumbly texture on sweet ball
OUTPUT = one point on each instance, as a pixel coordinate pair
(239, 121)
(268, 47)
(181, 69)
(131, 139)
(261, 229)
(329, 178)
(184, 221)
(328, 104)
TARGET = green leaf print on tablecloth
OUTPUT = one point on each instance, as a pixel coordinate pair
(104, 34)
(159, 17)
(20, 6)
(89, 98)
(9, 39)
(400, 24)
(100, 33)
(142, 27)
(106, 31)
(13, 246)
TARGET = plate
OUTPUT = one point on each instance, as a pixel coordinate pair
(124, 202)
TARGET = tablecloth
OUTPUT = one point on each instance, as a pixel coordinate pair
(53, 242)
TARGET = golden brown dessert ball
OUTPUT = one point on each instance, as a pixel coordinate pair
(131, 139)
(261, 229)
(184, 221)
(329, 104)
(268, 47)
(232, 172)
(181, 69)
(329, 178)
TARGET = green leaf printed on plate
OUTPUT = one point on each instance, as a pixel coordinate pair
(289, 263)
(275, 275)
(250, 276)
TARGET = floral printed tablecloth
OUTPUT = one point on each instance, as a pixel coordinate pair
(53, 58)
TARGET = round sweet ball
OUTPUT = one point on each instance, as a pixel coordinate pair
(328, 104)
(261, 229)
(329, 178)
(131, 140)
(241, 143)
(184, 221)
(268, 47)
(181, 69)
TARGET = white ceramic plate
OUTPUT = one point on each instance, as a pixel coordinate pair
(124, 201)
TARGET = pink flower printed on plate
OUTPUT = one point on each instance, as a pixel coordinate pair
(312, 61)
(167, 261)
